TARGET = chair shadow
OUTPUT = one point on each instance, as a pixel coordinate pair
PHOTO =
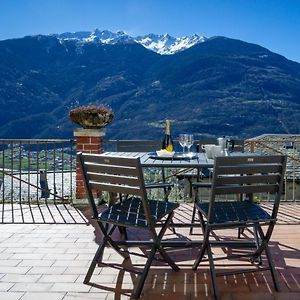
(163, 282)
(283, 256)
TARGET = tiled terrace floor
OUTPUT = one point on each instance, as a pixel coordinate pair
(50, 261)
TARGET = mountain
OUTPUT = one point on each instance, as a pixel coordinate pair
(217, 87)
(162, 44)
(166, 44)
(97, 36)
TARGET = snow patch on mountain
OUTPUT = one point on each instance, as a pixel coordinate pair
(162, 44)
(96, 36)
(166, 44)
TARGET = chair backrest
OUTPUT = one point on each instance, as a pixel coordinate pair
(116, 175)
(138, 145)
(249, 175)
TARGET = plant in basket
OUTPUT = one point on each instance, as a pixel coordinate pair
(91, 116)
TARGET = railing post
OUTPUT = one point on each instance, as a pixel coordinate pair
(88, 141)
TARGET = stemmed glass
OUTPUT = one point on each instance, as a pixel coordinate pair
(182, 141)
(189, 142)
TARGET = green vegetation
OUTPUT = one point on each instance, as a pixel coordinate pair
(49, 160)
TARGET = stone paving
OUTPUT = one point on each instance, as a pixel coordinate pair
(50, 262)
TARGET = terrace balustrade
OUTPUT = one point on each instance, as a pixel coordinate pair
(38, 181)
(39, 175)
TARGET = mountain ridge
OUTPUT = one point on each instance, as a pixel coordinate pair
(220, 87)
(159, 43)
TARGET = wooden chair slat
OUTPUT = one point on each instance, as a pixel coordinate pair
(104, 160)
(107, 178)
(111, 169)
(249, 169)
(248, 179)
(114, 188)
(246, 189)
(249, 159)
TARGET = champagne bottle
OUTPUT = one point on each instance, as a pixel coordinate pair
(167, 141)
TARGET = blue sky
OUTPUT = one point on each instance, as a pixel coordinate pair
(272, 24)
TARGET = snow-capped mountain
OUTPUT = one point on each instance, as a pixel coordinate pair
(166, 44)
(162, 44)
(96, 36)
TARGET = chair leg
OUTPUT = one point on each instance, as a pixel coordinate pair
(206, 247)
(162, 231)
(95, 261)
(167, 258)
(156, 246)
(136, 294)
(266, 237)
(213, 273)
(166, 198)
(272, 268)
(257, 242)
(157, 239)
(109, 239)
(114, 245)
(167, 192)
(265, 246)
(202, 250)
(194, 209)
(193, 218)
(191, 188)
(172, 228)
(107, 231)
(202, 222)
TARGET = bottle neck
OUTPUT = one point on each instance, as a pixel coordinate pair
(168, 127)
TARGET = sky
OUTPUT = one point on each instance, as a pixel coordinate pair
(274, 24)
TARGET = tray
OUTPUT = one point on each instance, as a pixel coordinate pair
(176, 156)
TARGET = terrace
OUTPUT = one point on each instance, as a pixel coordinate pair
(46, 245)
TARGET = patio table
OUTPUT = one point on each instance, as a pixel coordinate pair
(198, 161)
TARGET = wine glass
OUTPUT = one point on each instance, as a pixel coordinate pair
(182, 141)
(189, 142)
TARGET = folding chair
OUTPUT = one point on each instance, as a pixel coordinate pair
(123, 175)
(238, 175)
(235, 146)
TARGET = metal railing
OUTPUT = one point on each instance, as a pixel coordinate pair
(37, 177)
(288, 145)
(37, 180)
